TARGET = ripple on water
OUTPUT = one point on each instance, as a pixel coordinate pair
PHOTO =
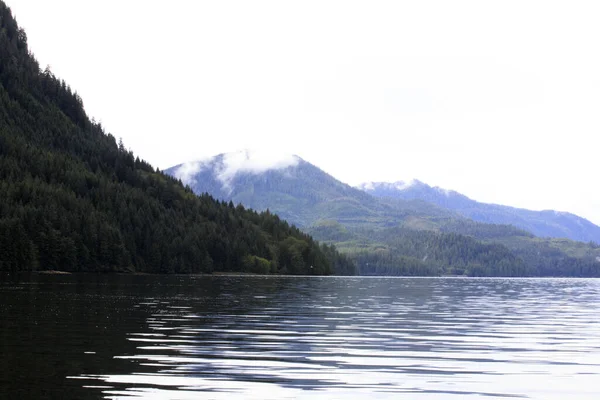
(436, 338)
(256, 337)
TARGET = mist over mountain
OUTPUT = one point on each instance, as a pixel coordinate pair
(546, 223)
(298, 191)
(383, 235)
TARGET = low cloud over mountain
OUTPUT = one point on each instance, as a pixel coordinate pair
(226, 166)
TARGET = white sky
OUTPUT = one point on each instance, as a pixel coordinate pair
(499, 100)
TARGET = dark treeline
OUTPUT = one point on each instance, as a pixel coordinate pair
(412, 252)
(548, 261)
(72, 198)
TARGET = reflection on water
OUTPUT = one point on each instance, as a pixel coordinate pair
(274, 337)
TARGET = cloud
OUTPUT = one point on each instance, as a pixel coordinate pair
(403, 185)
(187, 171)
(399, 185)
(366, 186)
(445, 192)
(253, 162)
(232, 164)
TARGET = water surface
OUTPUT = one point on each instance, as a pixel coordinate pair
(224, 337)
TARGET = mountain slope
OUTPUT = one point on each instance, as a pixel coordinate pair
(384, 235)
(300, 192)
(541, 223)
(73, 199)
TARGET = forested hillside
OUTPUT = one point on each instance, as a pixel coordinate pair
(546, 223)
(73, 199)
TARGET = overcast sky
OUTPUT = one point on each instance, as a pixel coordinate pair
(499, 100)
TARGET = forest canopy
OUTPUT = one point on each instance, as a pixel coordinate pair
(73, 198)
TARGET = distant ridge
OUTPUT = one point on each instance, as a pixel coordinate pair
(547, 223)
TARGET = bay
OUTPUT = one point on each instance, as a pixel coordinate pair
(224, 337)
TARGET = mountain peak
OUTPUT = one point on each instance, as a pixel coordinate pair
(227, 166)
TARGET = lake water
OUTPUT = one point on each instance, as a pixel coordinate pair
(228, 337)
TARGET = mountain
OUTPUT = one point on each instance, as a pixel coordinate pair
(295, 189)
(73, 199)
(382, 235)
(541, 223)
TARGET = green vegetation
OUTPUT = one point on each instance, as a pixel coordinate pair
(546, 223)
(497, 251)
(403, 251)
(388, 236)
(73, 199)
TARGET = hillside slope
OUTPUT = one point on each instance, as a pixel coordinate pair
(546, 223)
(297, 190)
(73, 199)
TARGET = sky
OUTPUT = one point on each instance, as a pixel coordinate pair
(498, 100)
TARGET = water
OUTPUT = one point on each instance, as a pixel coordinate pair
(224, 337)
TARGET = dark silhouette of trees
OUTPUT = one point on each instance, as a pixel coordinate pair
(72, 198)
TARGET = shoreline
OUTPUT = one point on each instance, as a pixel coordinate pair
(53, 272)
